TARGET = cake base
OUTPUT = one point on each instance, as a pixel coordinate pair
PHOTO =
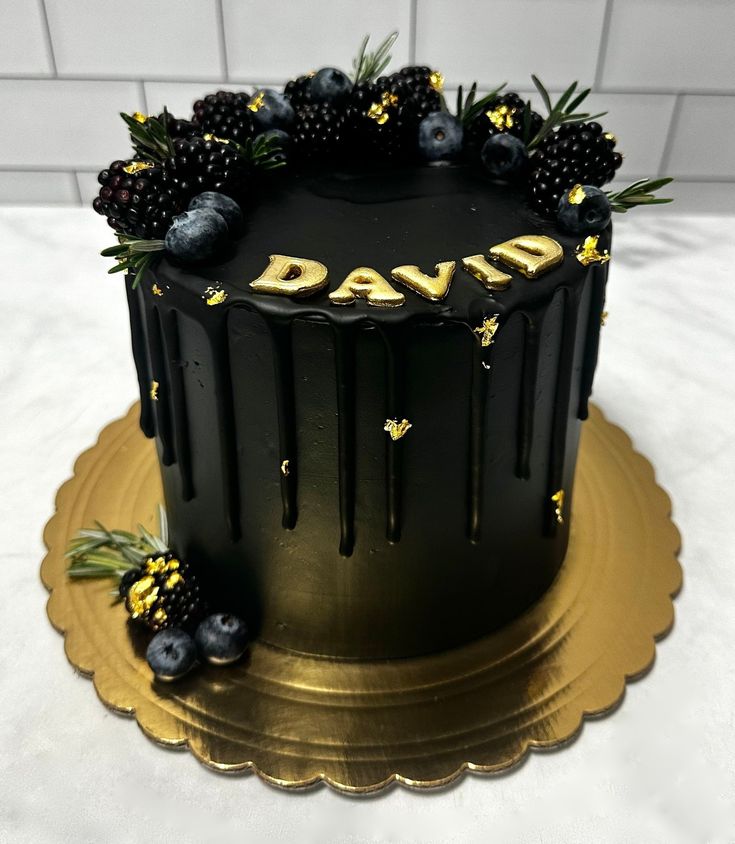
(360, 725)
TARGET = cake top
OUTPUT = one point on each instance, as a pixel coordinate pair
(193, 186)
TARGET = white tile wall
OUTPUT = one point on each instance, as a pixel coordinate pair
(655, 66)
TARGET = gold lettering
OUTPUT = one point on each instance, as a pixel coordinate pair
(482, 269)
(288, 276)
(531, 254)
(434, 288)
(367, 283)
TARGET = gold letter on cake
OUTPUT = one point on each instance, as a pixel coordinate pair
(367, 283)
(287, 276)
(532, 254)
(431, 287)
(482, 269)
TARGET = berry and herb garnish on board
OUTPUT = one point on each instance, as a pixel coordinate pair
(176, 194)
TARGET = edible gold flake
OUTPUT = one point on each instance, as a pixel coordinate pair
(214, 296)
(436, 80)
(501, 117)
(155, 565)
(388, 99)
(172, 580)
(139, 116)
(208, 136)
(156, 290)
(577, 195)
(257, 102)
(487, 330)
(397, 429)
(603, 318)
(154, 390)
(284, 468)
(558, 499)
(141, 596)
(136, 167)
(610, 137)
(378, 113)
(588, 253)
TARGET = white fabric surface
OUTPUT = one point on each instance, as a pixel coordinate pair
(660, 769)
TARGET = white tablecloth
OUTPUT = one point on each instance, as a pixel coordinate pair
(660, 769)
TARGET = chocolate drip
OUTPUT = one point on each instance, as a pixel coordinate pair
(180, 414)
(526, 410)
(136, 306)
(395, 409)
(219, 343)
(286, 409)
(481, 375)
(159, 373)
(345, 360)
(597, 278)
(562, 396)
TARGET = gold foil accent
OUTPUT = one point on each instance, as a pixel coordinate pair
(501, 117)
(139, 116)
(531, 254)
(577, 195)
(487, 330)
(155, 565)
(397, 429)
(367, 283)
(434, 288)
(603, 318)
(141, 596)
(214, 296)
(289, 276)
(159, 617)
(137, 167)
(388, 99)
(154, 390)
(208, 136)
(284, 469)
(173, 579)
(610, 137)
(436, 80)
(479, 267)
(378, 113)
(156, 290)
(587, 253)
(257, 101)
(558, 499)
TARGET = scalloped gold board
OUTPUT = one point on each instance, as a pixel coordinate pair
(358, 726)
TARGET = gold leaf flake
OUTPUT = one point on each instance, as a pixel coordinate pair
(501, 117)
(558, 499)
(436, 80)
(154, 390)
(214, 296)
(587, 253)
(610, 137)
(136, 167)
(208, 136)
(388, 99)
(397, 429)
(156, 290)
(139, 117)
(173, 579)
(284, 468)
(257, 102)
(487, 330)
(378, 113)
(603, 317)
(577, 195)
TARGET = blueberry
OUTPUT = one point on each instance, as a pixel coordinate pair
(281, 143)
(196, 235)
(440, 136)
(330, 85)
(171, 653)
(224, 206)
(222, 638)
(271, 110)
(584, 208)
(503, 155)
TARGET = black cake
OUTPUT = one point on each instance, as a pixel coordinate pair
(281, 481)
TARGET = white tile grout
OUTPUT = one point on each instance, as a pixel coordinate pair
(78, 187)
(413, 17)
(604, 37)
(47, 36)
(222, 40)
(670, 135)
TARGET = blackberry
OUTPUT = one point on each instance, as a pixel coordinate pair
(319, 132)
(136, 199)
(298, 90)
(423, 86)
(381, 120)
(177, 127)
(165, 593)
(205, 164)
(225, 114)
(506, 113)
(576, 153)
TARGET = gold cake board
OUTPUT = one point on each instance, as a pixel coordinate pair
(359, 726)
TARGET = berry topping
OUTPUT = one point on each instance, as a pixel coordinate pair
(221, 638)
(171, 654)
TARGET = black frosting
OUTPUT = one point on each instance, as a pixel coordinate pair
(369, 547)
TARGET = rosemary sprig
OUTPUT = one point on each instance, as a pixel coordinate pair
(468, 108)
(562, 111)
(100, 552)
(640, 192)
(367, 65)
(133, 255)
(260, 152)
(149, 137)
